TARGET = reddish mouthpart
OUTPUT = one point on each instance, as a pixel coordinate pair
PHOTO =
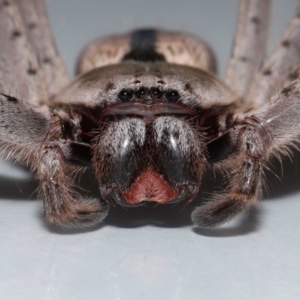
(149, 186)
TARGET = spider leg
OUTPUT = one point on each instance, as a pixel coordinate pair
(30, 134)
(63, 205)
(278, 66)
(249, 45)
(39, 33)
(30, 67)
(270, 130)
(281, 118)
(19, 70)
(244, 173)
(23, 128)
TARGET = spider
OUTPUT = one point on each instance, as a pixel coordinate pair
(147, 114)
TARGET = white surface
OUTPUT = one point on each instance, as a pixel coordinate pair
(147, 253)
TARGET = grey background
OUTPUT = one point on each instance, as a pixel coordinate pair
(151, 253)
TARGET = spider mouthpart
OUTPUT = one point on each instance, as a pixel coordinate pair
(172, 96)
(125, 95)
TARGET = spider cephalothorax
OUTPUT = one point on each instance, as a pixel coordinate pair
(149, 130)
(146, 113)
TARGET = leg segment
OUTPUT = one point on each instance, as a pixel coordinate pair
(23, 128)
(277, 68)
(62, 205)
(30, 66)
(249, 45)
(281, 117)
(244, 176)
(40, 36)
(19, 71)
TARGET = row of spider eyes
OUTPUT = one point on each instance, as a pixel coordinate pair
(127, 94)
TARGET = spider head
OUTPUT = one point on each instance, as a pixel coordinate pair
(148, 127)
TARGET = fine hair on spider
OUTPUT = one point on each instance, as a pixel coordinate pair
(147, 114)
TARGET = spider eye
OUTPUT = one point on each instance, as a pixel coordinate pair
(125, 95)
(172, 96)
(140, 93)
(156, 93)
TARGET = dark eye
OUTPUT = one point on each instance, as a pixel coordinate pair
(156, 93)
(172, 96)
(125, 95)
(140, 93)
